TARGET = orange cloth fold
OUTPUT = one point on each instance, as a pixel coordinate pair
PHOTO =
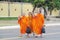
(23, 22)
(38, 22)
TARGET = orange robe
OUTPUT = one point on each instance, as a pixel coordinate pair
(37, 23)
(30, 22)
(23, 24)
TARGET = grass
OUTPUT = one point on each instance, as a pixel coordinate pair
(8, 18)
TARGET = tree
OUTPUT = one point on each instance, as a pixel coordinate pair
(38, 3)
(51, 4)
(57, 2)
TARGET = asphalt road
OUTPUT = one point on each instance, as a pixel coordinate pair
(52, 33)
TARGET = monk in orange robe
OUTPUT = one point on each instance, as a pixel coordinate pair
(29, 21)
(38, 22)
(23, 24)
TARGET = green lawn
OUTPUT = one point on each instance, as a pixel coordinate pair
(8, 18)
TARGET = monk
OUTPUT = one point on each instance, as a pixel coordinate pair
(38, 22)
(30, 20)
(23, 24)
(30, 23)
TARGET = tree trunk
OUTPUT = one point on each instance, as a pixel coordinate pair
(45, 12)
(50, 12)
(34, 9)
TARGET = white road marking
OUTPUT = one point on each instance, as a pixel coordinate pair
(9, 27)
(8, 38)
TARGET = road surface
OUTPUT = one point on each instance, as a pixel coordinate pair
(52, 33)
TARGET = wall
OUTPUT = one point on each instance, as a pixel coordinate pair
(14, 9)
(3, 9)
